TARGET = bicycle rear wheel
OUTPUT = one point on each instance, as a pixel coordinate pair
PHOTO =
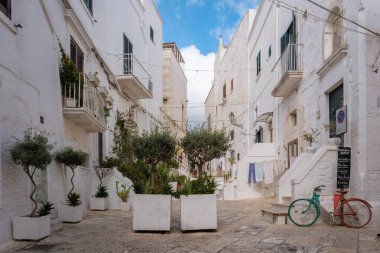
(303, 212)
(356, 213)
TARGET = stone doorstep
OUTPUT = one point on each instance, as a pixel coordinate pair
(280, 207)
(276, 216)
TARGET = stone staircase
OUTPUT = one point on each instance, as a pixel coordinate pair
(278, 212)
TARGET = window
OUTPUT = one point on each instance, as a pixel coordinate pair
(232, 85)
(289, 37)
(150, 86)
(76, 55)
(151, 34)
(100, 147)
(258, 63)
(5, 7)
(333, 33)
(224, 91)
(269, 51)
(128, 53)
(293, 118)
(259, 135)
(88, 3)
(165, 100)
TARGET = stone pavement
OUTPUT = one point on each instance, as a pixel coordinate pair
(241, 228)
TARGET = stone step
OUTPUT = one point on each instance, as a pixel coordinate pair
(56, 224)
(280, 207)
(275, 216)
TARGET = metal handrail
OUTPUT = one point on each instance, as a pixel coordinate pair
(84, 95)
(291, 58)
(131, 66)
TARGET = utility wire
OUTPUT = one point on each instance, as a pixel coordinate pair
(349, 20)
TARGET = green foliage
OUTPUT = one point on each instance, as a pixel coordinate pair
(68, 72)
(138, 172)
(122, 137)
(31, 153)
(124, 192)
(73, 199)
(45, 208)
(204, 184)
(70, 157)
(201, 146)
(101, 192)
(181, 179)
(311, 136)
(110, 162)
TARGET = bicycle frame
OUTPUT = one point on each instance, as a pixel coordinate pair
(338, 212)
(315, 199)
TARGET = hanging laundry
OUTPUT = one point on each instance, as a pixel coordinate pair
(268, 172)
(251, 173)
(259, 172)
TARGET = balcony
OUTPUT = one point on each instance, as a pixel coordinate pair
(291, 71)
(135, 80)
(84, 105)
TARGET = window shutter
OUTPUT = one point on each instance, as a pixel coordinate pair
(5, 7)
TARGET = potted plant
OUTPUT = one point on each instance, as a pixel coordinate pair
(70, 79)
(32, 153)
(72, 211)
(198, 210)
(100, 200)
(310, 137)
(152, 202)
(123, 194)
(331, 127)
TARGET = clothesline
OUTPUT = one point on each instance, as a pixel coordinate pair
(265, 171)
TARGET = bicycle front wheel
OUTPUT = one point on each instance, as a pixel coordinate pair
(303, 212)
(356, 213)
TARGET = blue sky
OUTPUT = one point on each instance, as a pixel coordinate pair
(195, 26)
(200, 22)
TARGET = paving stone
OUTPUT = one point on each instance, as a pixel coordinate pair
(273, 240)
(327, 241)
(303, 240)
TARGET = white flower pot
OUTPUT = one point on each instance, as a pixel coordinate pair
(334, 141)
(72, 214)
(310, 149)
(31, 228)
(152, 212)
(99, 204)
(125, 206)
(198, 212)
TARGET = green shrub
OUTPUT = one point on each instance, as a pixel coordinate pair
(73, 199)
(124, 192)
(101, 192)
(45, 208)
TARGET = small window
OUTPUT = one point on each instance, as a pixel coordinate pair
(232, 85)
(269, 51)
(76, 55)
(293, 118)
(232, 135)
(259, 135)
(165, 101)
(88, 3)
(151, 34)
(224, 91)
(258, 63)
(5, 7)
(150, 86)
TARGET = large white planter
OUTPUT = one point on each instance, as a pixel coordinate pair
(198, 212)
(334, 141)
(71, 214)
(99, 204)
(28, 228)
(152, 212)
(125, 206)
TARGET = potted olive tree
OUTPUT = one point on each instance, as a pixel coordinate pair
(311, 137)
(152, 210)
(32, 153)
(73, 210)
(100, 200)
(198, 210)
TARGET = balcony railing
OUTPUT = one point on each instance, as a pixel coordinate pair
(291, 70)
(84, 105)
(134, 80)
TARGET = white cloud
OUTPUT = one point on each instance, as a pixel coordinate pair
(198, 82)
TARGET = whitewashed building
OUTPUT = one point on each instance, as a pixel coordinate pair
(119, 74)
(308, 59)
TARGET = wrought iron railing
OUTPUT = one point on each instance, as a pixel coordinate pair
(131, 66)
(291, 59)
(84, 95)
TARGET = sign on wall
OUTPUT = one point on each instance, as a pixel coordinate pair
(341, 120)
(344, 168)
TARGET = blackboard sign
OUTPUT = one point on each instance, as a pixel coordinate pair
(344, 167)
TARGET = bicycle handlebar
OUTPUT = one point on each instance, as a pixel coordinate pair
(318, 188)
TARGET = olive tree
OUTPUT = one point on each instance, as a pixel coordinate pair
(32, 153)
(201, 145)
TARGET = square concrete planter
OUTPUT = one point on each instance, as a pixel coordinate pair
(152, 212)
(31, 228)
(72, 214)
(99, 204)
(125, 206)
(198, 212)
